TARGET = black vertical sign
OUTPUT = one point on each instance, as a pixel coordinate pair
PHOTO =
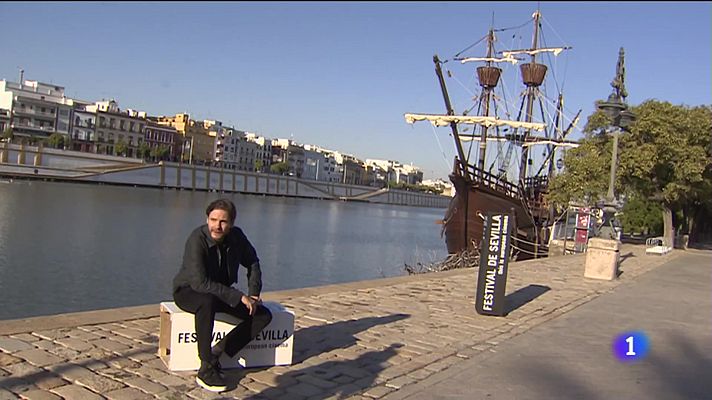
(494, 259)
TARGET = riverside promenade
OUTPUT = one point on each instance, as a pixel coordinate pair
(395, 338)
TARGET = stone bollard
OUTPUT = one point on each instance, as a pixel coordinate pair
(556, 248)
(602, 259)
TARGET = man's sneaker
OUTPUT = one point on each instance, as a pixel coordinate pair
(216, 362)
(209, 378)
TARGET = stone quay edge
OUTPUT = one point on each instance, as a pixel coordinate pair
(358, 340)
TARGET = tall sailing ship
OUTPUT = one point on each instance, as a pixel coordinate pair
(488, 181)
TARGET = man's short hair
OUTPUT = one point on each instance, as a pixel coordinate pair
(225, 205)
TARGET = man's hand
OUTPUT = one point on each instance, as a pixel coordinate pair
(257, 299)
(250, 303)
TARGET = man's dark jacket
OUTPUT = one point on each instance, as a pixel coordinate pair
(202, 269)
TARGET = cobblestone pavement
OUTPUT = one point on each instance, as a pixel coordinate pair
(361, 340)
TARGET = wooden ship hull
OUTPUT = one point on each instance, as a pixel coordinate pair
(478, 194)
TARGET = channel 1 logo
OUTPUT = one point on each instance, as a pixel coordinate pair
(631, 346)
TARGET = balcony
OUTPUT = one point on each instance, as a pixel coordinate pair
(33, 112)
(83, 124)
(33, 127)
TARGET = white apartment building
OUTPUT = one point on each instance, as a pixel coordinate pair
(291, 152)
(83, 130)
(36, 109)
(320, 164)
(409, 174)
(114, 127)
(4, 119)
(263, 159)
(394, 171)
(448, 189)
(234, 151)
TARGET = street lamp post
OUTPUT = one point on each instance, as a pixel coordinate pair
(617, 109)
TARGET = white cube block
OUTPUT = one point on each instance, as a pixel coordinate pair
(178, 347)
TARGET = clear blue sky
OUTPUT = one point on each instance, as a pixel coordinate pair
(342, 74)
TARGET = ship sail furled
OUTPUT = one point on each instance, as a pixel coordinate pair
(446, 120)
(531, 52)
(478, 189)
(508, 59)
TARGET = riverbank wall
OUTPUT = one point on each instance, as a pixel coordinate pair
(37, 162)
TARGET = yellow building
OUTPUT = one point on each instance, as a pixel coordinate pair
(198, 143)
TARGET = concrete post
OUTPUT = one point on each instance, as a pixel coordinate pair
(3, 153)
(162, 175)
(179, 173)
(207, 179)
(21, 155)
(38, 155)
(602, 259)
(222, 175)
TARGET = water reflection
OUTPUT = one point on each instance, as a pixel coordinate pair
(72, 247)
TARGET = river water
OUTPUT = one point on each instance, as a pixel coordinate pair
(75, 247)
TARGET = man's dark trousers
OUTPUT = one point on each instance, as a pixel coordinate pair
(205, 305)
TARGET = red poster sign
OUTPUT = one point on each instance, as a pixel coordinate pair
(581, 236)
(582, 220)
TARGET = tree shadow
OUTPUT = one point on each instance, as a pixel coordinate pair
(627, 256)
(318, 381)
(622, 260)
(700, 245)
(686, 370)
(315, 340)
(79, 366)
(523, 296)
(628, 239)
(681, 372)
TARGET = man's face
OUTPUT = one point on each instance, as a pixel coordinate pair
(219, 224)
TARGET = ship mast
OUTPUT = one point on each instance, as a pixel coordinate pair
(488, 77)
(533, 76)
(450, 111)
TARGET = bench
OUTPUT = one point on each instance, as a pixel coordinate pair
(177, 343)
(657, 245)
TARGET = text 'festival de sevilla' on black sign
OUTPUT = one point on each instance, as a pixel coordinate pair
(494, 260)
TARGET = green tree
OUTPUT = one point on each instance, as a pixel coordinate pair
(279, 168)
(7, 135)
(144, 150)
(585, 180)
(642, 215)
(666, 157)
(155, 153)
(163, 152)
(160, 152)
(698, 206)
(258, 165)
(121, 148)
(56, 140)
